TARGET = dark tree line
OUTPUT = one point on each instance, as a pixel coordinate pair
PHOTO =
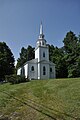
(25, 55)
(6, 61)
(56, 55)
(66, 58)
(72, 54)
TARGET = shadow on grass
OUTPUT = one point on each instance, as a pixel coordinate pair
(51, 109)
(4, 118)
(42, 108)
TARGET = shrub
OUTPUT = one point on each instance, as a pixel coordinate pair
(15, 79)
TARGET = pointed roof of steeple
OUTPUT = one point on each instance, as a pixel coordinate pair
(41, 28)
(41, 31)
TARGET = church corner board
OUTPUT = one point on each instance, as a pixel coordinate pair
(40, 67)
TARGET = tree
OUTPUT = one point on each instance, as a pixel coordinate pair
(6, 61)
(51, 51)
(25, 55)
(72, 54)
(56, 55)
(70, 42)
(79, 37)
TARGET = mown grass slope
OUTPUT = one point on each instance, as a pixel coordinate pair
(57, 99)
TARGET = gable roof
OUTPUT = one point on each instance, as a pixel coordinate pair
(34, 61)
(30, 61)
(51, 63)
(48, 62)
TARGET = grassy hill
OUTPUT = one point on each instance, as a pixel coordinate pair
(57, 99)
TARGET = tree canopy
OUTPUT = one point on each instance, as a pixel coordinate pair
(56, 55)
(26, 54)
(72, 54)
(6, 61)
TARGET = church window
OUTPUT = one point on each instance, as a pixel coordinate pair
(43, 54)
(44, 70)
(43, 43)
(32, 68)
(50, 69)
(22, 71)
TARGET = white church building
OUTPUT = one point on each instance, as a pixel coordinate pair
(40, 67)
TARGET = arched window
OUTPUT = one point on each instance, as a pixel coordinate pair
(43, 43)
(32, 68)
(43, 54)
(44, 70)
(22, 71)
(50, 69)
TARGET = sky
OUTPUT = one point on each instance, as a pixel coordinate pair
(20, 22)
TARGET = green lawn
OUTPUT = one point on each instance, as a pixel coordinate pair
(57, 99)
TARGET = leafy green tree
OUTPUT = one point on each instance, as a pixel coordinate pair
(6, 60)
(72, 54)
(30, 53)
(56, 55)
(25, 55)
(70, 42)
(79, 37)
(51, 51)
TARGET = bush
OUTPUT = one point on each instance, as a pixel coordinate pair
(15, 79)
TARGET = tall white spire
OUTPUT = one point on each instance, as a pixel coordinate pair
(41, 28)
(41, 31)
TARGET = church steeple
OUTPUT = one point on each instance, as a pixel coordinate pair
(41, 50)
(41, 35)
